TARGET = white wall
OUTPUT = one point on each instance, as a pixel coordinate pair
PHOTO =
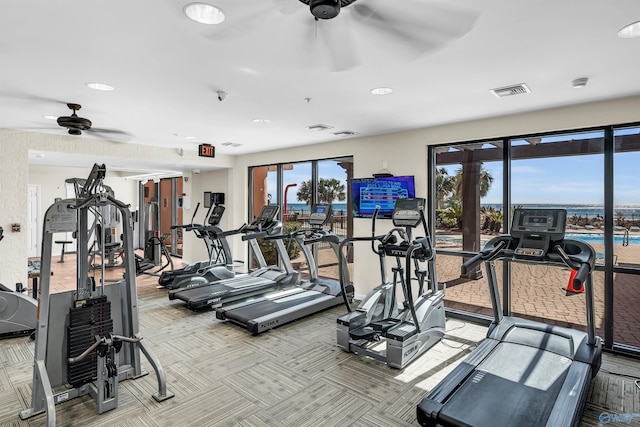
(403, 152)
(15, 178)
(214, 181)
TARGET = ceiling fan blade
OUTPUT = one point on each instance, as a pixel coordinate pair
(111, 131)
(30, 97)
(337, 39)
(420, 26)
(287, 7)
(238, 24)
(109, 134)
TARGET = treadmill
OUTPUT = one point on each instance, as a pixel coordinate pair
(202, 294)
(524, 373)
(316, 294)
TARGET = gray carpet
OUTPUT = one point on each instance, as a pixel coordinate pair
(292, 376)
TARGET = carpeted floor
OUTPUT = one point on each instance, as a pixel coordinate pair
(291, 376)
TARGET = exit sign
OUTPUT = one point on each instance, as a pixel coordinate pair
(206, 150)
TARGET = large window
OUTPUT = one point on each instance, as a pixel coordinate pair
(592, 174)
(626, 236)
(296, 187)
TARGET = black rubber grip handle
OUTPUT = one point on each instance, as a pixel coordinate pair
(471, 263)
(580, 277)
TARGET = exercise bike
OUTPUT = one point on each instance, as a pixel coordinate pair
(17, 310)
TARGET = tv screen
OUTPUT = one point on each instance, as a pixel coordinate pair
(367, 193)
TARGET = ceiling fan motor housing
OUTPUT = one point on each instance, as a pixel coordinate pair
(74, 123)
(325, 9)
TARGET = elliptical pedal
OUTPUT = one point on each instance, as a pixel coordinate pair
(384, 324)
(402, 331)
(365, 333)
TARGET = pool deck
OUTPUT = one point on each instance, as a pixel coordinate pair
(539, 292)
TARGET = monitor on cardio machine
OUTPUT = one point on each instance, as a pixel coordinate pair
(537, 230)
(320, 214)
(266, 216)
(407, 212)
(216, 215)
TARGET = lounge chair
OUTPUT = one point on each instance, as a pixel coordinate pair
(634, 228)
(591, 227)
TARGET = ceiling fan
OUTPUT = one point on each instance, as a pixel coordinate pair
(363, 31)
(75, 124)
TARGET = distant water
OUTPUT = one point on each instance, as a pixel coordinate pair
(303, 207)
(586, 211)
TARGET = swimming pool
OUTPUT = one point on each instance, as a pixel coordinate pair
(585, 237)
(599, 238)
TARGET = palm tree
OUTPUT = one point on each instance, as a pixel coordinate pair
(486, 179)
(304, 192)
(445, 184)
(329, 189)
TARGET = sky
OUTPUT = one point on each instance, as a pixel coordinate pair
(575, 180)
(302, 172)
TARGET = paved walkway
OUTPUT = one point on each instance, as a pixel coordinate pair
(539, 292)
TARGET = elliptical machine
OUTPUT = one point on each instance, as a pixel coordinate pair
(420, 323)
(17, 310)
(219, 264)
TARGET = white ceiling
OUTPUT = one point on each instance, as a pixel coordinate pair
(441, 57)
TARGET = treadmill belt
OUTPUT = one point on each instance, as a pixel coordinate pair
(521, 381)
(266, 307)
(221, 290)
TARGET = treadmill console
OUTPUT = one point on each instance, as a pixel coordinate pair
(320, 214)
(407, 212)
(266, 217)
(216, 215)
(536, 229)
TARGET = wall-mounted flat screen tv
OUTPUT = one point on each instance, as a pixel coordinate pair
(367, 193)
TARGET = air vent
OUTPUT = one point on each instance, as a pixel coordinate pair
(510, 90)
(346, 133)
(319, 127)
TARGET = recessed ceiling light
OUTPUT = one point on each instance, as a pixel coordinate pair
(631, 30)
(100, 86)
(204, 13)
(381, 91)
(189, 137)
(50, 117)
(264, 121)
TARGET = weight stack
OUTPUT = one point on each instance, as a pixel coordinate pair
(85, 322)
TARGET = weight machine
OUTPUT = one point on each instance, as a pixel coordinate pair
(87, 339)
